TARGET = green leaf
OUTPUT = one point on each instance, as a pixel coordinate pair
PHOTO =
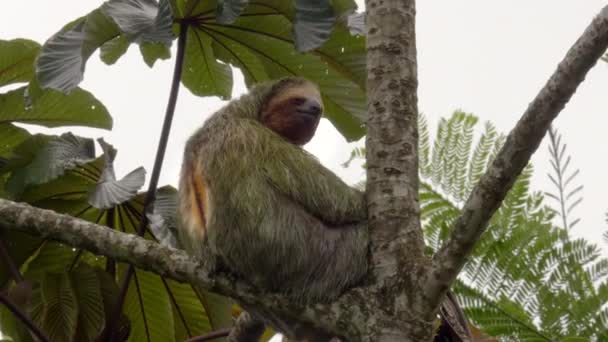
(60, 65)
(17, 60)
(62, 60)
(313, 23)
(91, 316)
(346, 54)
(53, 109)
(10, 137)
(188, 311)
(149, 309)
(142, 20)
(59, 316)
(203, 75)
(111, 51)
(218, 309)
(47, 158)
(151, 52)
(108, 192)
(109, 293)
(50, 257)
(231, 52)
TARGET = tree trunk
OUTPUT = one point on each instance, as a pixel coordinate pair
(397, 243)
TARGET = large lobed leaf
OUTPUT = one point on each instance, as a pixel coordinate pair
(273, 55)
(68, 193)
(203, 75)
(109, 191)
(30, 104)
(265, 42)
(148, 306)
(61, 63)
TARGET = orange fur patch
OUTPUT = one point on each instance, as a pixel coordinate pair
(199, 201)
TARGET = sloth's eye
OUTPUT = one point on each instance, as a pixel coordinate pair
(297, 101)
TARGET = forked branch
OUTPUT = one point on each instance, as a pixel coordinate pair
(521, 142)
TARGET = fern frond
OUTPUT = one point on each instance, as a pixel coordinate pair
(567, 198)
(462, 157)
(424, 146)
(480, 158)
(439, 152)
(437, 214)
(605, 235)
(454, 127)
(356, 153)
(451, 155)
(526, 280)
(599, 271)
(503, 318)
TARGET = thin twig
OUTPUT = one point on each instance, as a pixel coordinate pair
(211, 336)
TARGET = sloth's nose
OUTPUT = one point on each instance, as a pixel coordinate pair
(313, 107)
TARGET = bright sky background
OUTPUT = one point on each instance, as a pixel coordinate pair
(489, 58)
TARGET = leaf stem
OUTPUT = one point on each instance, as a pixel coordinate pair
(23, 317)
(160, 154)
(10, 263)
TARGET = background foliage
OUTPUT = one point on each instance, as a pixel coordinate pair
(528, 280)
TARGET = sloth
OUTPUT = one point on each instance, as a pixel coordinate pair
(253, 199)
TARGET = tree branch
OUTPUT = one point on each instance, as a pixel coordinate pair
(177, 264)
(521, 142)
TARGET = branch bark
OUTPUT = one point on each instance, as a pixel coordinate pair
(176, 264)
(521, 143)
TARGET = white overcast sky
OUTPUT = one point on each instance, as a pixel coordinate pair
(489, 58)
